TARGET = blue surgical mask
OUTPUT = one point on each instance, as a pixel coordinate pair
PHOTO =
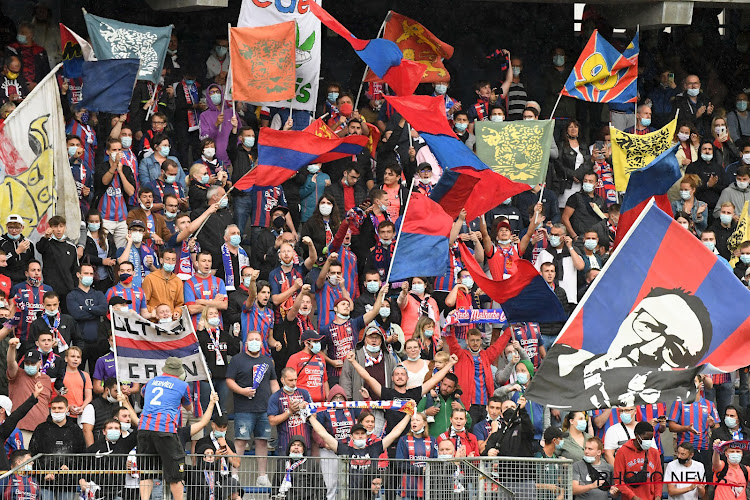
(246, 281)
(522, 378)
(31, 370)
(94, 226)
(741, 106)
(205, 179)
(461, 127)
(693, 92)
(373, 286)
(706, 157)
(164, 150)
(558, 60)
(72, 150)
(253, 345)
(113, 434)
(126, 142)
(645, 122)
(248, 141)
(51, 312)
(315, 347)
(220, 434)
(313, 169)
(14, 237)
(216, 99)
(626, 418)
(589, 460)
(590, 244)
(441, 88)
(685, 194)
(559, 445)
(170, 179)
(467, 282)
(745, 258)
(726, 219)
(214, 321)
(189, 82)
(554, 240)
(87, 280)
(21, 39)
(223, 203)
(711, 245)
(168, 267)
(429, 333)
(587, 187)
(647, 444)
(372, 348)
(730, 422)
(385, 312)
(581, 425)
(235, 240)
(221, 51)
(360, 443)
(332, 96)
(418, 288)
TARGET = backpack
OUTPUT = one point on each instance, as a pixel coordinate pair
(711, 490)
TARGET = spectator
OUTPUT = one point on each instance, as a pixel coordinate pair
(694, 106)
(592, 476)
(217, 63)
(18, 249)
(156, 227)
(22, 384)
(642, 479)
(371, 354)
(514, 433)
(732, 428)
(710, 172)
(441, 404)
(285, 409)
(162, 286)
(134, 296)
(99, 249)
(211, 237)
(222, 448)
(211, 123)
(311, 191)
(738, 120)
(737, 193)
(323, 225)
(298, 477)
(682, 475)
(115, 184)
(642, 122)
(693, 422)
(310, 366)
(688, 202)
(730, 471)
(88, 307)
(214, 338)
(347, 193)
(724, 147)
(28, 299)
(21, 481)
(204, 290)
(100, 410)
(53, 247)
(35, 63)
(415, 301)
(63, 328)
(617, 435)
(150, 168)
(13, 84)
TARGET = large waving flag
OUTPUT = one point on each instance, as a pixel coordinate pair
(525, 296)
(631, 152)
(262, 61)
(382, 56)
(423, 245)
(654, 181)
(741, 234)
(671, 319)
(466, 181)
(602, 74)
(108, 85)
(417, 43)
(281, 153)
(75, 50)
(117, 40)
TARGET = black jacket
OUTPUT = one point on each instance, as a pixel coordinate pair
(62, 264)
(315, 229)
(16, 261)
(235, 301)
(513, 440)
(7, 427)
(89, 309)
(68, 328)
(724, 434)
(565, 165)
(102, 461)
(264, 256)
(211, 236)
(687, 111)
(705, 170)
(336, 191)
(229, 345)
(61, 445)
(242, 162)
(91, 254)
(554, 328)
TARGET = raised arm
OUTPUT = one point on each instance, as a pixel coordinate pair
(435, 379)
(457, 225)
(329, 440)
(486, 240)
(396, 432)
(373, 313)
(312, 252)
(321, 281)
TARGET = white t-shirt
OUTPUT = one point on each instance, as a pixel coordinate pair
(569, 283)
(617, 436)
(88, 416)
(678, 472)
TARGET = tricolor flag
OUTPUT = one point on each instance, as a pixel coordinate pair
(75, 50)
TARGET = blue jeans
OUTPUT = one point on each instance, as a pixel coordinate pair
(220, 385)
(243, 209)
(722, 395)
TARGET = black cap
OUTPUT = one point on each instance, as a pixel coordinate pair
(137, 223)
(310, 335)
(220, 420)
(358, 427)
(551, 433)
(32, 357)
(424, 166)
(114, 301)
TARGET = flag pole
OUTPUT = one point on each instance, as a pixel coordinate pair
(551, 115)
(114, 347)
(541, 193)
(400, 228)
(203, 358)
(635, 125)
(364, 75)
(411, 141)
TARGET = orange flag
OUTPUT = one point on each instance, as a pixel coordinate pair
(417, 43)
(319, 128)
(263, 62)
(372, 143)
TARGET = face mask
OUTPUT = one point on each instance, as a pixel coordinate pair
(504, 242)
(30, 370)
(734, 457)
(168, 267)
(145, 207)
(94, 226)
(235, 240)
(385, 312)
(164, 320)
(444, 456)
(587, 187)
(325, 209)
(467, 282)
(333, 280)
(559, 445)
(57, 417)
(710, 245)
(209, 152)
(682, 136)
(554, 240)
(220, 434)
(590, 244)
(461, 127)
(686, 226)
(522, 378)
(14, 237)
(730, 422)
(418, 288)
(385, 242)
(706, 157)
(516, 70)
(581, 425)
(295, 455)
(332, 96)
(164, 150)
(313, 169)
(647, 444)
(383, 208)
(221, 51)
(626, 418)
(497, 118)
(645, 122)
(113, 435)
(693, 92)
(726, 219)
(126, 142)
(205, 179)
(428, 333)
(109, 397)
(125, 426)
(745, 258)
(126, 278)
(170, 179)
(346, 109)
(685, 194)
(742, 185)
(372, 286)
(12, 76)
(170, 215)
(360, 443)
(214, 321)
(315, 347)
(683, 461)
(87, 280)
(223, 203)
(216, 99)
(288, 389)
(589, 460)
(741, 106)
(51, 312)
(248, 141)
(372, 348)
(342, 316)
(113, 156)
(558, 60)
(35, 281)
(21, 39)
(72, 150)
(253, 345)
(441, 88)
(509, 357)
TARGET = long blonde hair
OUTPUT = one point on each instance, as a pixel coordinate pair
(203, 323)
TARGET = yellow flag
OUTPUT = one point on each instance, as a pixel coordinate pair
(740, 235)
(631, 152)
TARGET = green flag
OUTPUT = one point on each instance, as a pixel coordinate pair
(518, 150)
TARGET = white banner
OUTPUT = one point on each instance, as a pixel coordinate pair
(255, 13)
(142, 347)
(34, 170)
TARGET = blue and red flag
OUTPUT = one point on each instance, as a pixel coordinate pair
(525, 296)
(281, 153)
(75, 50)
(423, 246)
(653, 180)
(108, 85)
(466, 181)
(655, 316)
(383, 56)
(602, 74)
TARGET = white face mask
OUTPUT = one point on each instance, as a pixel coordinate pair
(497, 118)
(325, 209)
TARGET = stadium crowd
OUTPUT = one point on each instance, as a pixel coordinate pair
(293, 278)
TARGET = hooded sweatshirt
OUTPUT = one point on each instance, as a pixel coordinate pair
(61, 444)
(207, 123)
(629, 461)
(350, 379)
(298, 478)
(338, 423)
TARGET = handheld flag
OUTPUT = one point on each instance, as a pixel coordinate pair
(418, 44)
(423, 244)
(75, 50)
(382, 56)
(654, 181)
(117, 40)
(525, 296)
(741, 234)
(282, 152)
(602, 74)
(518, 150)
(459, 186)
(631, 152)
(262, 61)
(374, 135)
(319, 128)
(108, 85)
(671, 320)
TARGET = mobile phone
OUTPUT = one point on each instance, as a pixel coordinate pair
(662, 417)
(671, 77)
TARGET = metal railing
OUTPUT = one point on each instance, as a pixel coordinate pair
(130, 477)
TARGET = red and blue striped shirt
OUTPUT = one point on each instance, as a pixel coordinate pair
(696, 416)
(29, 302)
(324, 299)
(87, 135)
(134, 294)
(614, 419)
(647, 413)
(203, 288)
(129, 159)
(349, 271)
(257, 319)
(295, 425)
(112, 205)
(264, 201)
(163, 396)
